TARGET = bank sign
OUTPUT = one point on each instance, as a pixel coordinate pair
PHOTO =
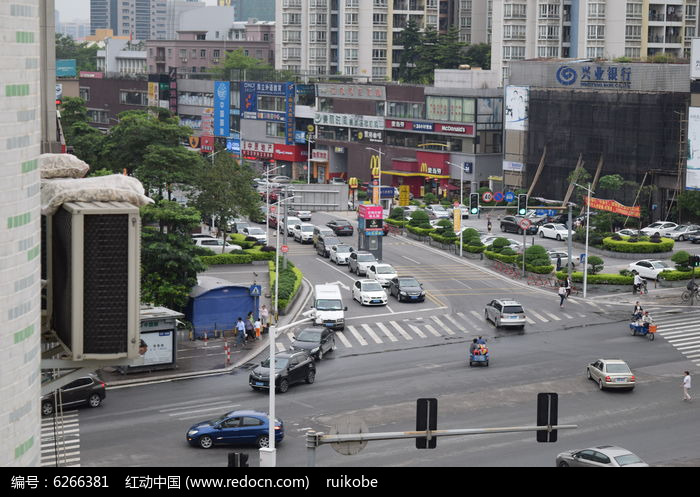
(617, 77)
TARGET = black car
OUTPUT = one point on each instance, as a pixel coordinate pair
(88, 390)
(324, 244)
(510, 224)
(693, 236)
(290, 367)
(341, 227)
(406, 288)
(314, 341)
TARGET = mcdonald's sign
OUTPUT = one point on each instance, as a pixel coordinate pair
(194, 141)
(375, 166)
(353, 183)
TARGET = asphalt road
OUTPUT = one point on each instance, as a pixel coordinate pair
(377, 379)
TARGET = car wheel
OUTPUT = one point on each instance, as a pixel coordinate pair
(319, 356)
(47, 408)
(563, 464)
(681, 238)
(600, 385)
(310, 376)
(588, 374)
(541, 235)
(486, 316)
(558, 238)
(263, 442)
(206, 442)
(284, 386)
(94, 400)
(497, 322)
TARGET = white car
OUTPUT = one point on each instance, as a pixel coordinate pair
(649, 269)
(281, 179)
(556, 231)
(438, 211)
(291, 221)
(383, 273)
(304, 215)
(369, 292)
(662, 228)
(681, 232)
(303, 232)
(627, 232)
(258, 233)
(564, 255)
(216, 245)
(340, 253)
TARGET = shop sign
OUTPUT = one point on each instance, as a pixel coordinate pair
(206, 144)
(290, 153)
(364, 92)
(257, 149)
(320, 155)
(367, 135)
(460, 129)
(424, 127)
(370, 211)
(349, 120)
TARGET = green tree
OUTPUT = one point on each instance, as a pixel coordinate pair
(420, 219)
(428, 54)
(238, 65)
(449, 54)
(478, 55)
(411, 39)
(595, 263)
(85, 55)
(689, 202)
(169, 262)
(87, 143)
(73, 110)
(536, 255)
(165, 166)
(681, 258)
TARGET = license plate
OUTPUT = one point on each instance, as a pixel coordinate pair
(413, 298)
(376, 301)
(258, 383)
(621, 379)
(513, 317)
(329, 325)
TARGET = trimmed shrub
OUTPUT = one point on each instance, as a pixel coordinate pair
(470, 234)
(289, 283)
(681, 259)
(396, 222)
(212, 260)
(596, 264)
(430, 198)
(511, 259)
(599, 279)
(638, 245)
(676, 275)
(397, 213)
(508, 251)
(499, 244)
(420, 219)
(539, 269)
(536, 255)
(419, 231)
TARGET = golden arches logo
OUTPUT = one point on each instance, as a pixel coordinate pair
(375, 166)
(353, 183)
(423, 167)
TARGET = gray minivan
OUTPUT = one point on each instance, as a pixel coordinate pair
(505, 313)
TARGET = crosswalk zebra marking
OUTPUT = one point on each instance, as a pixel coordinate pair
(469, 321)
(432, 330)
(403, 332)
(553, 316)
(417, 331)
(545, 320)
(345, 341)
(388, 333)
(371, 333)
(442, 325)
(454, 322)
(357, 336)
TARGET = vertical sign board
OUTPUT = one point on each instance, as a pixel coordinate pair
(692, 178)
(516, 107)
(426, 419)
(222, 104)
(289, 98)
(695, 58)
(547, 415)
(457, 217)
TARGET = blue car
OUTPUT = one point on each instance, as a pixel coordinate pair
(237, 428)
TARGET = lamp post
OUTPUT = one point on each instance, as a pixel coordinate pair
(309, 141)
(461, 198)
(267, 201)
(588, 218)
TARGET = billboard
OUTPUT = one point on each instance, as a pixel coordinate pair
(222, 104)
(516, 107)
(692, 177)
(66, 68)
(251, 102)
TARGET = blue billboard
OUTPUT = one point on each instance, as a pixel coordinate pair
(250, 104)
(222, 105)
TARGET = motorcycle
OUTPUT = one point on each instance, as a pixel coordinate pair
(641, 288)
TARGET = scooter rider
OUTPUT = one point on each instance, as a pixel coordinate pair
(638, 282)
(647, 320)
(638, 311)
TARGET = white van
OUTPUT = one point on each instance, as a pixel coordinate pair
(328, 307)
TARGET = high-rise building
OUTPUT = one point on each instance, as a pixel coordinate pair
(175, 10)
(351, 37)
(139, 19)
(21, 121)
(262, 10)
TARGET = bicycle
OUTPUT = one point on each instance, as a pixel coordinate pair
(688, 294)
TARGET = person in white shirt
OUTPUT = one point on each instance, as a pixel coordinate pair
(686, 387)
(638, 282)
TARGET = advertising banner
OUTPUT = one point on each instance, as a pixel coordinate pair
(363, 92)
(66, 68)
(370, 211)
(222, 104)
(160, 348)
(349, 120)
(516, 107)
(612, 206)
(289, 96)
(692, 178)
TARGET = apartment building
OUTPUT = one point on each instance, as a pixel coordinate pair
(358, 38)
(526, 29)
(139, 19)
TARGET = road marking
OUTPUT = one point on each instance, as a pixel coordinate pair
(388, 333)
(475, 314)
(357, 336)
(345, 341)
(529, 320)
(414, 261)
(197, 404)
(454, 322)
(280, 347)
(417, 331)
(400, 330)
(432, 330)
(442, 325)
(545, 320)
(372, 334)
(390, 309)
(553, 316)
(215, 408)
(463, 283)
(684, 338)
(567, 316)
(469, 321)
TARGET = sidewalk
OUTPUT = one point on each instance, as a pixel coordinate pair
(197, 358)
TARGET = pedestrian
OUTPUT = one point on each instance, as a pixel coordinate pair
(264, 316)
(488, 224)
(568, 286)
(638, 311)
(558, 262)
(240, 331)
(562, 295)
(249, 329)
(686, 387)
(258, 328)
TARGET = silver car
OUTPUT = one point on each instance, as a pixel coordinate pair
(505, 313)
(611, 373)
(602, 456)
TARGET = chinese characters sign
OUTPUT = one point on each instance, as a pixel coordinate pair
(613, 206)
(222, 104)
(352, 91)
(349, 120)
(595, 76)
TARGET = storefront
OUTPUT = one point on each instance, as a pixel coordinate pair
(428, 172)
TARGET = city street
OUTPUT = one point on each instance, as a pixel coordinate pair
(387, 357)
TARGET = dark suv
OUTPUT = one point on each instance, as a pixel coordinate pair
(315, 341)
(88, 390)
(290, 368)
(510, 224)
(324, 244)
(341, 227)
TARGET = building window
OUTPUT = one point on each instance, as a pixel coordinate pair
(633, 33)
(514, 32)
(596, 10)
(378, 54)
(275, 130)
(351, 53)
(515, 11)
(84, 93)
(549, 11)
(596, 32)
(379, 19)
(130, 97)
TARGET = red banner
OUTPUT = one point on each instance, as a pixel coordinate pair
(613, 206)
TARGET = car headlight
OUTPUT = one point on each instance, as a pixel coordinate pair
(192, 433)
(403, 293)
(313, 351)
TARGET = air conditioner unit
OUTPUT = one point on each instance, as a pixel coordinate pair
(93, 271)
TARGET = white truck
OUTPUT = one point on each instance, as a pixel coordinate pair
(328, 307)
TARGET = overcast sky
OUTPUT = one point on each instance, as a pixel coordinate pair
(71, 10)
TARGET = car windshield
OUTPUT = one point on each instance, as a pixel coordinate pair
(385, 270)
(657, 265)
(408, 282)
(309, 336)
(280, 362)
(512, 309)
(617, 368)
(329, 305)
(343, 249)
(627, 459)
(437, 207)
(682, 227)
(256, 231)
(365, 258)
(293, 220)
(371, 287)
(560, 227)
(654, 225)
(307, 229)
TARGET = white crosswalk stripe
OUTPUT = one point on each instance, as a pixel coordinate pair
(357, 335)
(340, 335)
(681, 330)
(60, 440)
(442, 325)
(401, 331)
(372, 334)
(388, 333)
(544, 320)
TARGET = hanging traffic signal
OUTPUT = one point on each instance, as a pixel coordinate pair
(522, 204)
(473, 203)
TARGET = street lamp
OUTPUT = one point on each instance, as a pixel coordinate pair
(379, 176)
(461, 198)
(309, 141)
(588, 218)
(267, 199)
(268, 454)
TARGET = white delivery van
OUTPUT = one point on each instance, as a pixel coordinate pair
(328, 307)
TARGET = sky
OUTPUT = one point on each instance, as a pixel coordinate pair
(71, 10)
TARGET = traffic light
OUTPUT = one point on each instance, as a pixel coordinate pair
(473, 203)
(547, 415)
(522, 204)
(694, 261)
(426, 419)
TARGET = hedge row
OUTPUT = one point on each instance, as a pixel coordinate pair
(474, 249)
(447, 240)
(396, 222)
(239, 239)
(420, 231)
(517, 259)
(600, 279)
(211, 260)
(640, 247)
(676, 275)
(289, 283)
